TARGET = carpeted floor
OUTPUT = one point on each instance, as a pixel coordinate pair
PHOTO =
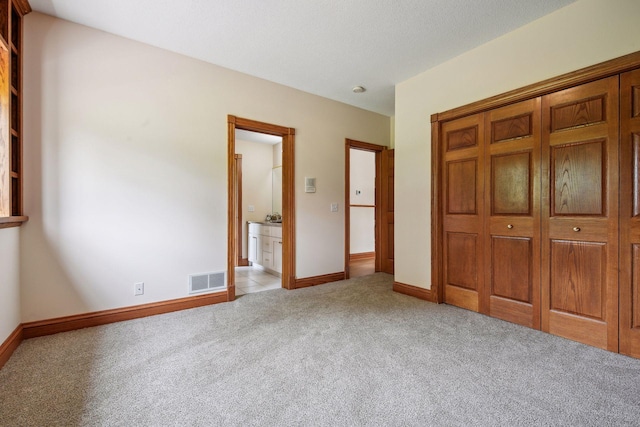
(341, 354)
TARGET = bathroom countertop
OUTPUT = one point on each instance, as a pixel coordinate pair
(272, 224)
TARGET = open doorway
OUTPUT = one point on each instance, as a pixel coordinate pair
(369, 208)
(259, 219)
(273, 248)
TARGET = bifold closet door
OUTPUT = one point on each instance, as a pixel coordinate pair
(580, 213)
(463, 212)
(512, 213)
(630, 213)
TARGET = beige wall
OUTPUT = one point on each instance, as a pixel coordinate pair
(581, 34)
(9, 281)
(257, 160)
(125, 168)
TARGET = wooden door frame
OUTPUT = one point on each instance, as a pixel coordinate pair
(240, 261)
(545, 87)
(288, 198)
(376, 149)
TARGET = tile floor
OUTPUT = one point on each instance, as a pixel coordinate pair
(254, 279)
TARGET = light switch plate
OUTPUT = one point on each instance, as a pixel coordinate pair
(334, 207)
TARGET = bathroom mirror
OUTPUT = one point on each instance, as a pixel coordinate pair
(276, 190)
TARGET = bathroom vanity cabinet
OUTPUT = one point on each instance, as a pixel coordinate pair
(265, 245)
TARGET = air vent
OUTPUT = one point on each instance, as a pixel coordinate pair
(207, 282)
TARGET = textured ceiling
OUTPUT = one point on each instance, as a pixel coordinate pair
(324, 47)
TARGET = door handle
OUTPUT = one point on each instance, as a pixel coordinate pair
(510, 226)
(576, 229)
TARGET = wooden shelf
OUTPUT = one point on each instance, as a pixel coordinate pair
(11, 15)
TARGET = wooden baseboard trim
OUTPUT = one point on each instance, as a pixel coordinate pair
(243, 262)
(414, 291)
(361, 256)
(79, 321)
(10, 344)
(318, 280)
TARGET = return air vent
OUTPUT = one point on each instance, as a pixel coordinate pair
(207, 282)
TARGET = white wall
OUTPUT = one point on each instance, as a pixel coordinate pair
(257, 159)
(362, 168)
(9, 281)
(125, 157)
(582, 34)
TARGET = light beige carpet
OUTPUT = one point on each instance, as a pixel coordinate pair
(345, 353)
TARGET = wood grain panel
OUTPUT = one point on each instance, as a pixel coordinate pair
(390, 242)
(577, 328)
(514, 311)
(387, 171)
(578, 278)
(512, 214)
(511, 184)
(511, 260)
(461, 260)
(635, 286)
(461, 297)
(579, 113)
(462, 138)
(635, 170)
(461, 187)
(629, 325)
(578, 176)
(511, 128)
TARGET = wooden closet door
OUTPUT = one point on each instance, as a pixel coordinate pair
(580, 213)
(630, 213)
(463, 212)
(512, 213)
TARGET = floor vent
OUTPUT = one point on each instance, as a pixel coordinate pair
(207, 282)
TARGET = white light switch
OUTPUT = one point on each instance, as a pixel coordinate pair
(252, 208)
(334, 207)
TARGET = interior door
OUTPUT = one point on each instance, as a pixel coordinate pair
(387, 206)
(580, 213)
(463, 212)
(512, 213)
(630, 214)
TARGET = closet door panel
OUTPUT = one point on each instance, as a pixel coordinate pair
(462, 212)
(578, 172)
(630, 214)
(580, 213)
(512, 213)
(511, 259)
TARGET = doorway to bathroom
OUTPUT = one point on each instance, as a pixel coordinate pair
(259, 206)
(261, 217)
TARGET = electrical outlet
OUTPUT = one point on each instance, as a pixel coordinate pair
(139, 289)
